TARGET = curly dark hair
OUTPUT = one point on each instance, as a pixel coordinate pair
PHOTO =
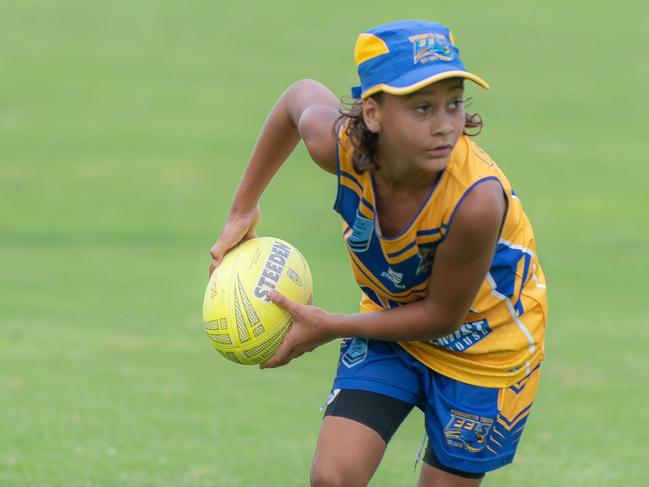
(364, 141)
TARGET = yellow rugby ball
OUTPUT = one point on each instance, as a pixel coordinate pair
(242, 323)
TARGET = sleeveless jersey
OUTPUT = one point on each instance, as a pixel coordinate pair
(501, 339)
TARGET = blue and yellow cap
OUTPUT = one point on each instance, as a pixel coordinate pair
(402, 57)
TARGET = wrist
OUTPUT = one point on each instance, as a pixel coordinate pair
(334, 325)
(242, 210)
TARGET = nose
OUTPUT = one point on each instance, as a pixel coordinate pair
(441, 124)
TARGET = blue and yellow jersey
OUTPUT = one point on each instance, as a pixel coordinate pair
(501, 339)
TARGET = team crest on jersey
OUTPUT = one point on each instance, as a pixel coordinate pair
(467, 431)
(356, 352)
(427, 48)
(362, 231)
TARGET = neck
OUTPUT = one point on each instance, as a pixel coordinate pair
(399, 175)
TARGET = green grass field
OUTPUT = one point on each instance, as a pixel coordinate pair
(124, 129)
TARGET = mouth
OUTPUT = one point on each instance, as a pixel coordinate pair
(440, 150)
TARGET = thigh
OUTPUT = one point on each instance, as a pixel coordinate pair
(434, 474)
(434, 477)
(347, 453)
(374, 390)
(355, 431)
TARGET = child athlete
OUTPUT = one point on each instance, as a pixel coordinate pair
(453, 297)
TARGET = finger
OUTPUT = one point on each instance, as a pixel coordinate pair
(281, 357)
(219, 250)
(226, 241)
(215, 259)
(283, 302)
(217, 256)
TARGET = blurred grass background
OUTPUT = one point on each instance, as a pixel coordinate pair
(124, 129)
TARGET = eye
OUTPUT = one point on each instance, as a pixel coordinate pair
(455, 104)
(423, 108)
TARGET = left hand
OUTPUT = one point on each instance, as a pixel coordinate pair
(311, 328)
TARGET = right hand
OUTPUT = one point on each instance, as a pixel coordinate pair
(238, 228)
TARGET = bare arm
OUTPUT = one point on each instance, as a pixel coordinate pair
(461, 264)
(307, 110)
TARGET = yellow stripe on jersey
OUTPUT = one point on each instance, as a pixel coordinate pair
(501, 339)
(402, 255)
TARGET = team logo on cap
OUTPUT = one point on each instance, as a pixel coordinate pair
(427, 48)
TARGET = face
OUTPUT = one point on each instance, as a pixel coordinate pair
(418, 131)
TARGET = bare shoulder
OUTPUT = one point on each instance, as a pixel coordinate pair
(475, 226)
(481, 211)
(316, 110)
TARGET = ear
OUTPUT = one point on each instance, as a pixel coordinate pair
(372, 114)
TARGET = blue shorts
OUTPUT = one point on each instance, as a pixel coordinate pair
(470, 428)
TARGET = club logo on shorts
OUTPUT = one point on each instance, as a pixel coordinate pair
(356, 352)
(361, 236)
(467, 431)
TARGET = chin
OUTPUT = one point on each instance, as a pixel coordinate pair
(435, 165)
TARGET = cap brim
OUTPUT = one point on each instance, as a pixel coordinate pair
(395, 89)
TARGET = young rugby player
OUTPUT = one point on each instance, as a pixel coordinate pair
(453, 301)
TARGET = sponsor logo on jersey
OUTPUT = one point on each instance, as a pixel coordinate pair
(362, 231)
(467, 431)
(431, 47)
(356, 352)
(465, 337)
(273, 269)
(394, 277)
